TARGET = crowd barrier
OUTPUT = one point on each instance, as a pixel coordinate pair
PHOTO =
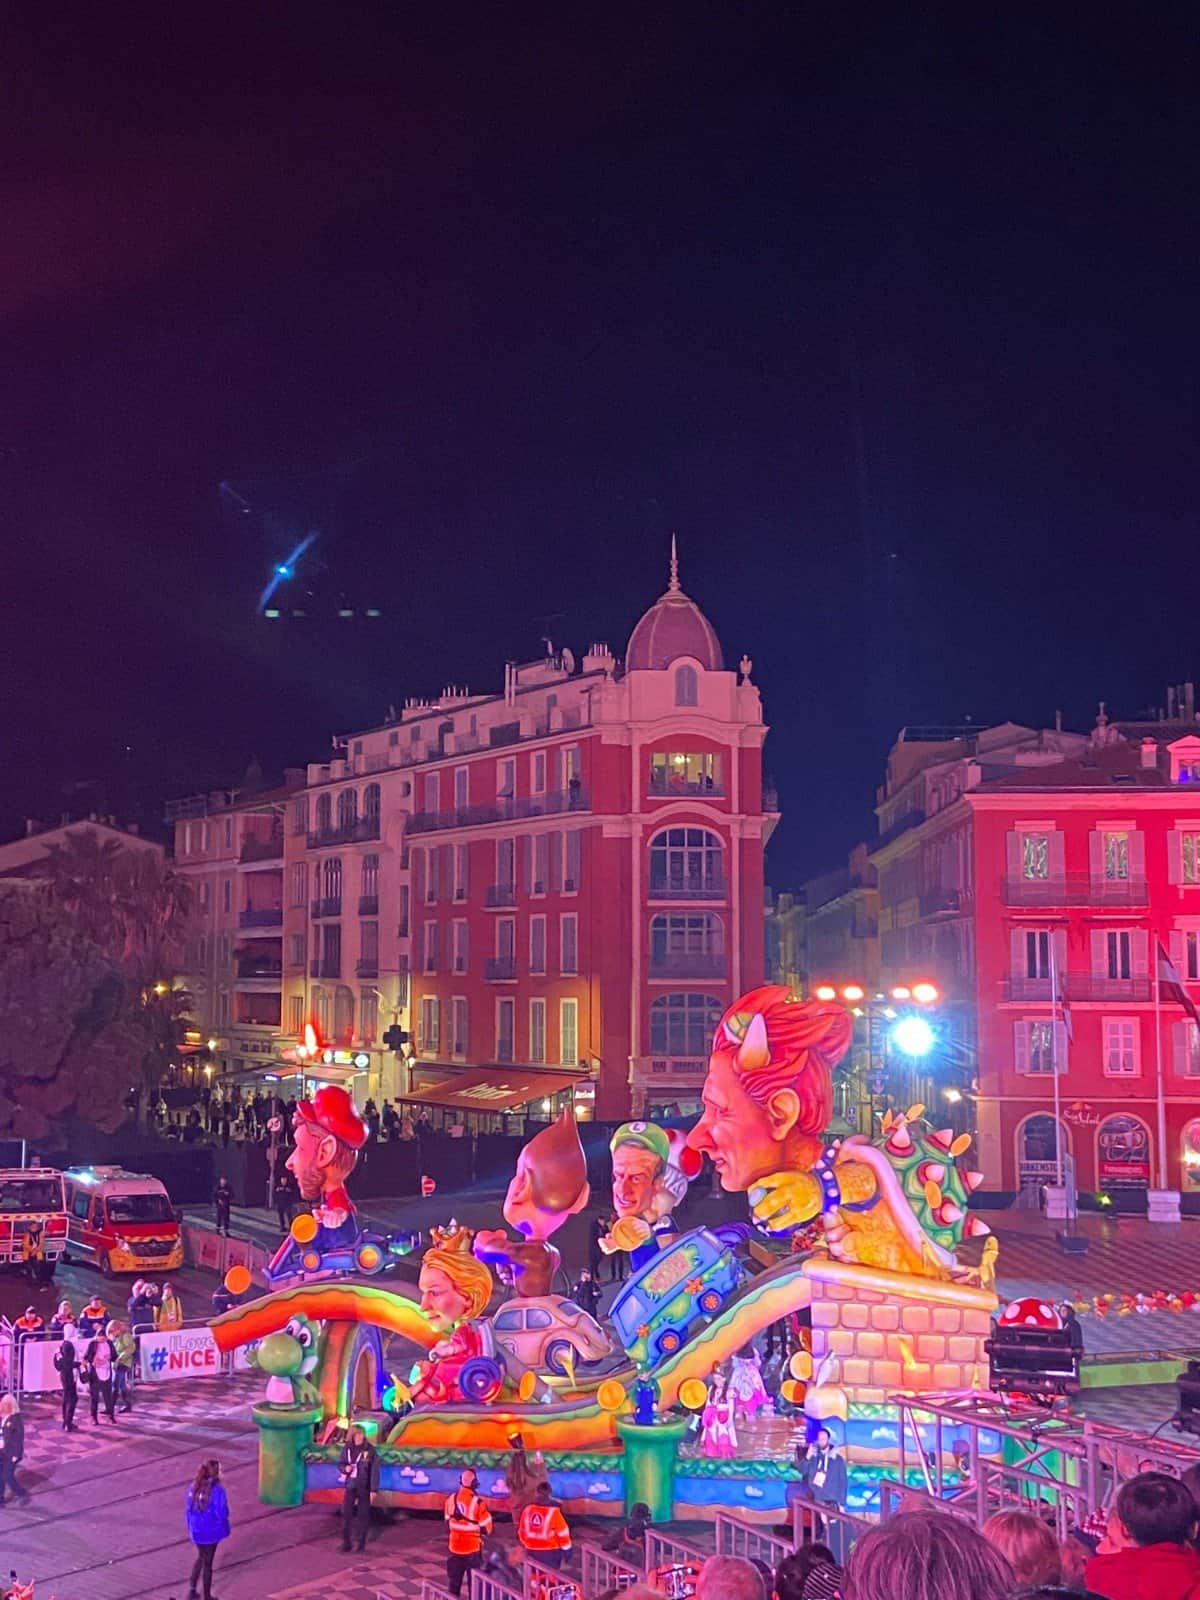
(485, 1587)
(826, 1524)
(216, 1252)
(665, 1550)
(734, 1537)
(602, 1571)
(187, 1352)
(430, 1591)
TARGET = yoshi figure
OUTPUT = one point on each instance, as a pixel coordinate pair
(288, 1357)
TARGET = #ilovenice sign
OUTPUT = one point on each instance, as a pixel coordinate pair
(179, 1353)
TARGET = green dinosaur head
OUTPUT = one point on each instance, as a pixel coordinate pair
(290, 1353)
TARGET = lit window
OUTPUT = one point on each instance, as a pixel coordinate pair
(685, 772)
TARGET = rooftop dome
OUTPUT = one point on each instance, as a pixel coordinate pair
(674, 626)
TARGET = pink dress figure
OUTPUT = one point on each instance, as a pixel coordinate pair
(718, 1437)
(746, 1387)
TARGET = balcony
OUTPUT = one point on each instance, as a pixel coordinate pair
(368, 905)
(1088, 986)
(250, 967)
(330, 906)
(661, 1071)
(935, 902)
(262, 849)
(367, 967)
(502, 810)
(261, 917)
(687, 964)
(666, 786)
(693, 886)
(359, 831)
(1022, 988)
(500, 895)
(1075, 889)
(500, 969)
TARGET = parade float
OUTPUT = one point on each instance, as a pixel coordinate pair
(849, 1253)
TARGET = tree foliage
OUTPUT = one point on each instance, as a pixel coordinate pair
(66, 1040)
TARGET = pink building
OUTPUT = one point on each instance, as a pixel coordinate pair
(555, 890)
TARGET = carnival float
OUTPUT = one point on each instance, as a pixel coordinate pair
(849, 1253)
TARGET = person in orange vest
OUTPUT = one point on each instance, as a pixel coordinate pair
(469, 1519)
(29, 1325)
(543, 1530)
(93, 1319)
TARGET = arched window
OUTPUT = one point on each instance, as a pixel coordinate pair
(687, 946)
(683, 1024)
(320, 1005)
(686, 686)
(1037, 1155)
(324, 813)
(371, 802)
(1123, 1153)
(347, 808)
(686, 863)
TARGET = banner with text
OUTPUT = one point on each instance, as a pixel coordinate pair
(179, 1353)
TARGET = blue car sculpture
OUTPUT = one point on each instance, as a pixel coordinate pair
(661, 1304)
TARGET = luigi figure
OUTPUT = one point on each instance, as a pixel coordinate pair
(651, 1171)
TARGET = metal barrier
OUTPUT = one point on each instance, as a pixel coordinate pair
(737, 1538)
(602, 1571)
(430, 1591)
(485, 1587)
(895, 1497)
(664, 1550)
(813, 1520)
(537, 1579)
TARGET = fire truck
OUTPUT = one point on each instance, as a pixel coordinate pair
(33, 1220)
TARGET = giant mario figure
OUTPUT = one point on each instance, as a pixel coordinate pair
(329, 1134)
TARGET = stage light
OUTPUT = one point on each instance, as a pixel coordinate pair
(953, 1095)
(853, 992)
(826, 991)
(924, 993)
(912, 1036)
(901, 992)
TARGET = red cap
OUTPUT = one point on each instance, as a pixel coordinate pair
(332, 1110)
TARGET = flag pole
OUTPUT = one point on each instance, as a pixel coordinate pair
(1160, 1096)
(1054, 998)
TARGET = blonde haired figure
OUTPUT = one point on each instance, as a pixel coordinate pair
(455, 1288)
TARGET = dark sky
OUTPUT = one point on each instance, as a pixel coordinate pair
(893, 320)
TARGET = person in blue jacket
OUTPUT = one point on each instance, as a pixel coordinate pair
(207, 1513)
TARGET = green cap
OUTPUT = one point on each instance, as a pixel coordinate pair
(645, 1134)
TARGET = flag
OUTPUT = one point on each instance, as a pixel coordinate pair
(1058, 997)
(1171, 985)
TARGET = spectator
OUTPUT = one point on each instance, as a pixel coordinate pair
(93, 1318)
(731, 1578)
(388, 1120)
(99, 1371)
(29, 1325)
(64, 1315)
(596, 1232)
(66, 1364)
(223, 1204)
(169, 1313)
(1031, 1550)
(207, 1513)
(920, 1555)
(285, 1200)
(424, 1127)
(630, 1542)
(1147, 1552)
(586, 1292)
(823, 1477)
(126, 1347)
(12, 1449)
(140, 1308)
(543, 1529)
(359, 1472)
(809, 1573)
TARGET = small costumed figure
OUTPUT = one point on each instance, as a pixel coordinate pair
(718, 1436)
(746, 1388)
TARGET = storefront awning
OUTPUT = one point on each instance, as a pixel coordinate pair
(493, 1090)
(287, 1072)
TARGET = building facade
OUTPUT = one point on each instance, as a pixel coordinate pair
(554, 890)
(1034, 874)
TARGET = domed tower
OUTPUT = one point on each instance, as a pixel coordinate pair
(673, 627)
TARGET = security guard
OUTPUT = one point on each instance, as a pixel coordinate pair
(543, 1530)
(469, 1519)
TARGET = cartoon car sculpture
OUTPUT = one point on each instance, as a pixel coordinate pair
(548, 1334)
(661, 1304)
(369, 1255)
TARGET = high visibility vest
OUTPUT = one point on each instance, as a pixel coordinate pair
(469, 1520)
(543, 1528)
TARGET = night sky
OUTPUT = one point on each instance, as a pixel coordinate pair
(893, 321)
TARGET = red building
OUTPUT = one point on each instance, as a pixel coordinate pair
(1033, 874)
(555, 890)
